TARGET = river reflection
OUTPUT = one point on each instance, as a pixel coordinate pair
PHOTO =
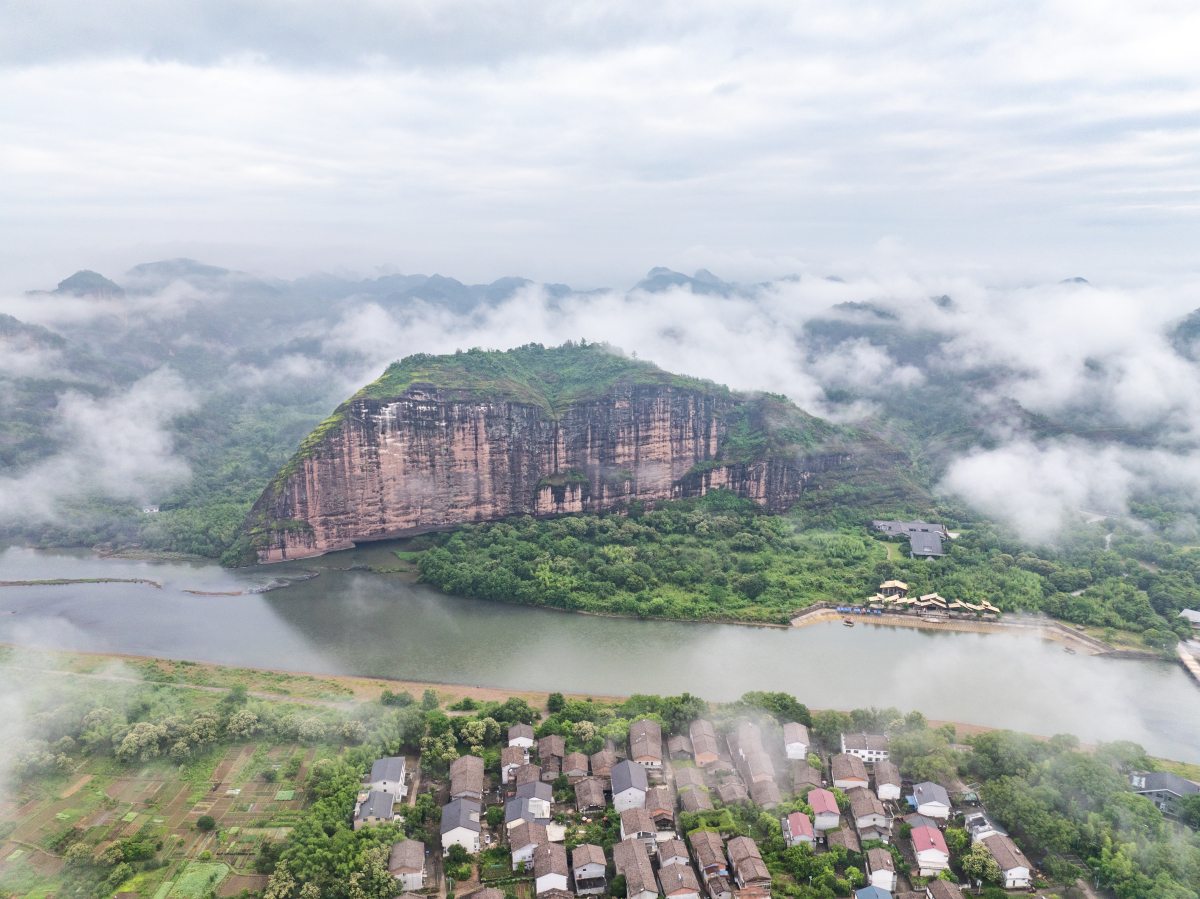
(355, 622)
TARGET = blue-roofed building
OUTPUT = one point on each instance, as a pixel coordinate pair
(872, 892)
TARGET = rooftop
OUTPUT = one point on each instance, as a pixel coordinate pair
(927, 791)
(461, 813)
(628, 774)
(390, 770)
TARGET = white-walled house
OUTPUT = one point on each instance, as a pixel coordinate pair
(523, 839)
(1014, 866)
(388, 776)
(550, 869)
(512, 758)
(848, 772)
(460, 825)
(887, 780)
(932, 799)
(930, 848)
(521, 735)
(868, 747)
(825, 809)
(407, 864)
(588, 869)
(795, 740)
(797, 829)
(881, 869)
(629, 785)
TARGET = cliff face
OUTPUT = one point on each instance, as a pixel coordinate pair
(432, 457)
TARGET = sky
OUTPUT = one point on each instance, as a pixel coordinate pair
(584, 143)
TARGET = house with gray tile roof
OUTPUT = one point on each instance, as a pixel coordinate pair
(388, 776)
(629, 785)
(460, 825)
(373, 807)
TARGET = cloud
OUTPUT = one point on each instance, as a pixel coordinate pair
(119, 446)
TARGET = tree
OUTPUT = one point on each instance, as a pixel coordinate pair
(429, 700)
(205, 822)
(242, 724)
(310, 891)
(555, 703)
(830, 725)
(236, 697)
(312, 730)
(113, 855)
(495, 816)
(1189, 810)
(372, 880)
(141, 742)
(978, 864)
(584, 731)
(282, 884)
(353, 732)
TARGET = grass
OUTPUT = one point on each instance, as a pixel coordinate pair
(197, 879)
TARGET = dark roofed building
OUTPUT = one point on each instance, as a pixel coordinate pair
(731, 793)
(924, 538)
(552, 745)
(679, 746)
(466, 778)
(704, 742)
(589, 795)
(526, 774)
(1163, 788)
(686, 778)
(602, 763)
(633, 863)
(805, 775)
(696, 800)
(575, 766)
(844, 837)
(521, 735)
(747, 863)
(645, 743)
(765, 793)
(848, 771)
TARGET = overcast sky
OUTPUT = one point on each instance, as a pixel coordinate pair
(585, 142)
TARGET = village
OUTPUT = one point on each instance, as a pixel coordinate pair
(855, 804)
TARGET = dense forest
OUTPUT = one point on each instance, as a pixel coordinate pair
(721, 558)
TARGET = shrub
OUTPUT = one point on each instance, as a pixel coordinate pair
(205, 822)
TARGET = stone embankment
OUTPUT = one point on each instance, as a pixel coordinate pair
(1189, 662)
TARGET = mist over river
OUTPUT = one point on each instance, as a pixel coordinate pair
(358, 622)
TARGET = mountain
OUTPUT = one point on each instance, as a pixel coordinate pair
(439, 441)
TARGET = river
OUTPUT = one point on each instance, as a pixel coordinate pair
(357, 622)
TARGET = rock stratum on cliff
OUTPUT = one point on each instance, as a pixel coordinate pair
(440, 441)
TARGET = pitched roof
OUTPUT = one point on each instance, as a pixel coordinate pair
(708, 848)
(847, 766)
(746, 858)
(602, 759)
(799, 825)
(520, 809)
(1162, 781)
(758, 763)
(633, 863)
(696, 800)
(645, 740)
(926, 838)
(407, 855)
(628, 774)
(930, 792)
(688, 777)
(765, 793)
(589, 793)
(552, 745)
(378, 805)
(391, 769)
(672, 849)
(742, 848)
(805, 775)
(886, 773)
(575, 761)
(704, 738)
(729, 793)
(466, 774)
(550, 858)
(919, 820)
(822, 801)
(512, 755)
(587, 854)
(864, 742)
(536, 789)
(872, 892)
(461, 813)
(678, 879)
(846, 838)
(1005, 852)
(944, 889)
(526, 774)
(518, 731)
(660, 799)
(749, 738)
(880, 860)
(863, 802)
(679, 743)
(528, 833)
(637, 820)
(794, 732)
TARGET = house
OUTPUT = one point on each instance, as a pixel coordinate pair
(587, 869)
(602, 763)
(679, 747)
(805, 775)
(1191, 616)
(550, 869)
(552, 746)
(589, 795)
(795, 740)
(704, 743)
(765, 793)
(942, 889)
(1014, 866)
(550, 768)
(460, 825)
(825, 809)
(660, 803)
(1163, 788)
(710, 854)
(932, 799)
(846, 838)
(523, 838)
(388, 776)
(917, 820)
(698, 800)
(978, 825)
(930, 848)
(525, 774)
(686, 778)
(521, 735)
(756, 767)
(747, 739)
(678, 882)
(893, 589)
(512, 758)
(797, 828)
(645, 744)
(730, 793)
(887, 780)
(868, 747)
(672, 852)
(407, 864)
(466, 778)
(719, 887)
(536, 790)
(633, 863)
(924, 538)
(872, 892)
(637, 824)
(629, 785)
(373, 807)
(848, 772)
(575, 766)
(881, 869)
(534, 805)
(746, 863)
(870, 819)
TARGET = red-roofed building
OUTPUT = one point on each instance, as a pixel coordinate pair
(930, 847)
(797, 829)
(825, 809)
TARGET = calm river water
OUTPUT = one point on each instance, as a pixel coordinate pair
(355, 622)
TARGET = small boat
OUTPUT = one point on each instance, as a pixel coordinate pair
(849, 622)
(1068, 649)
